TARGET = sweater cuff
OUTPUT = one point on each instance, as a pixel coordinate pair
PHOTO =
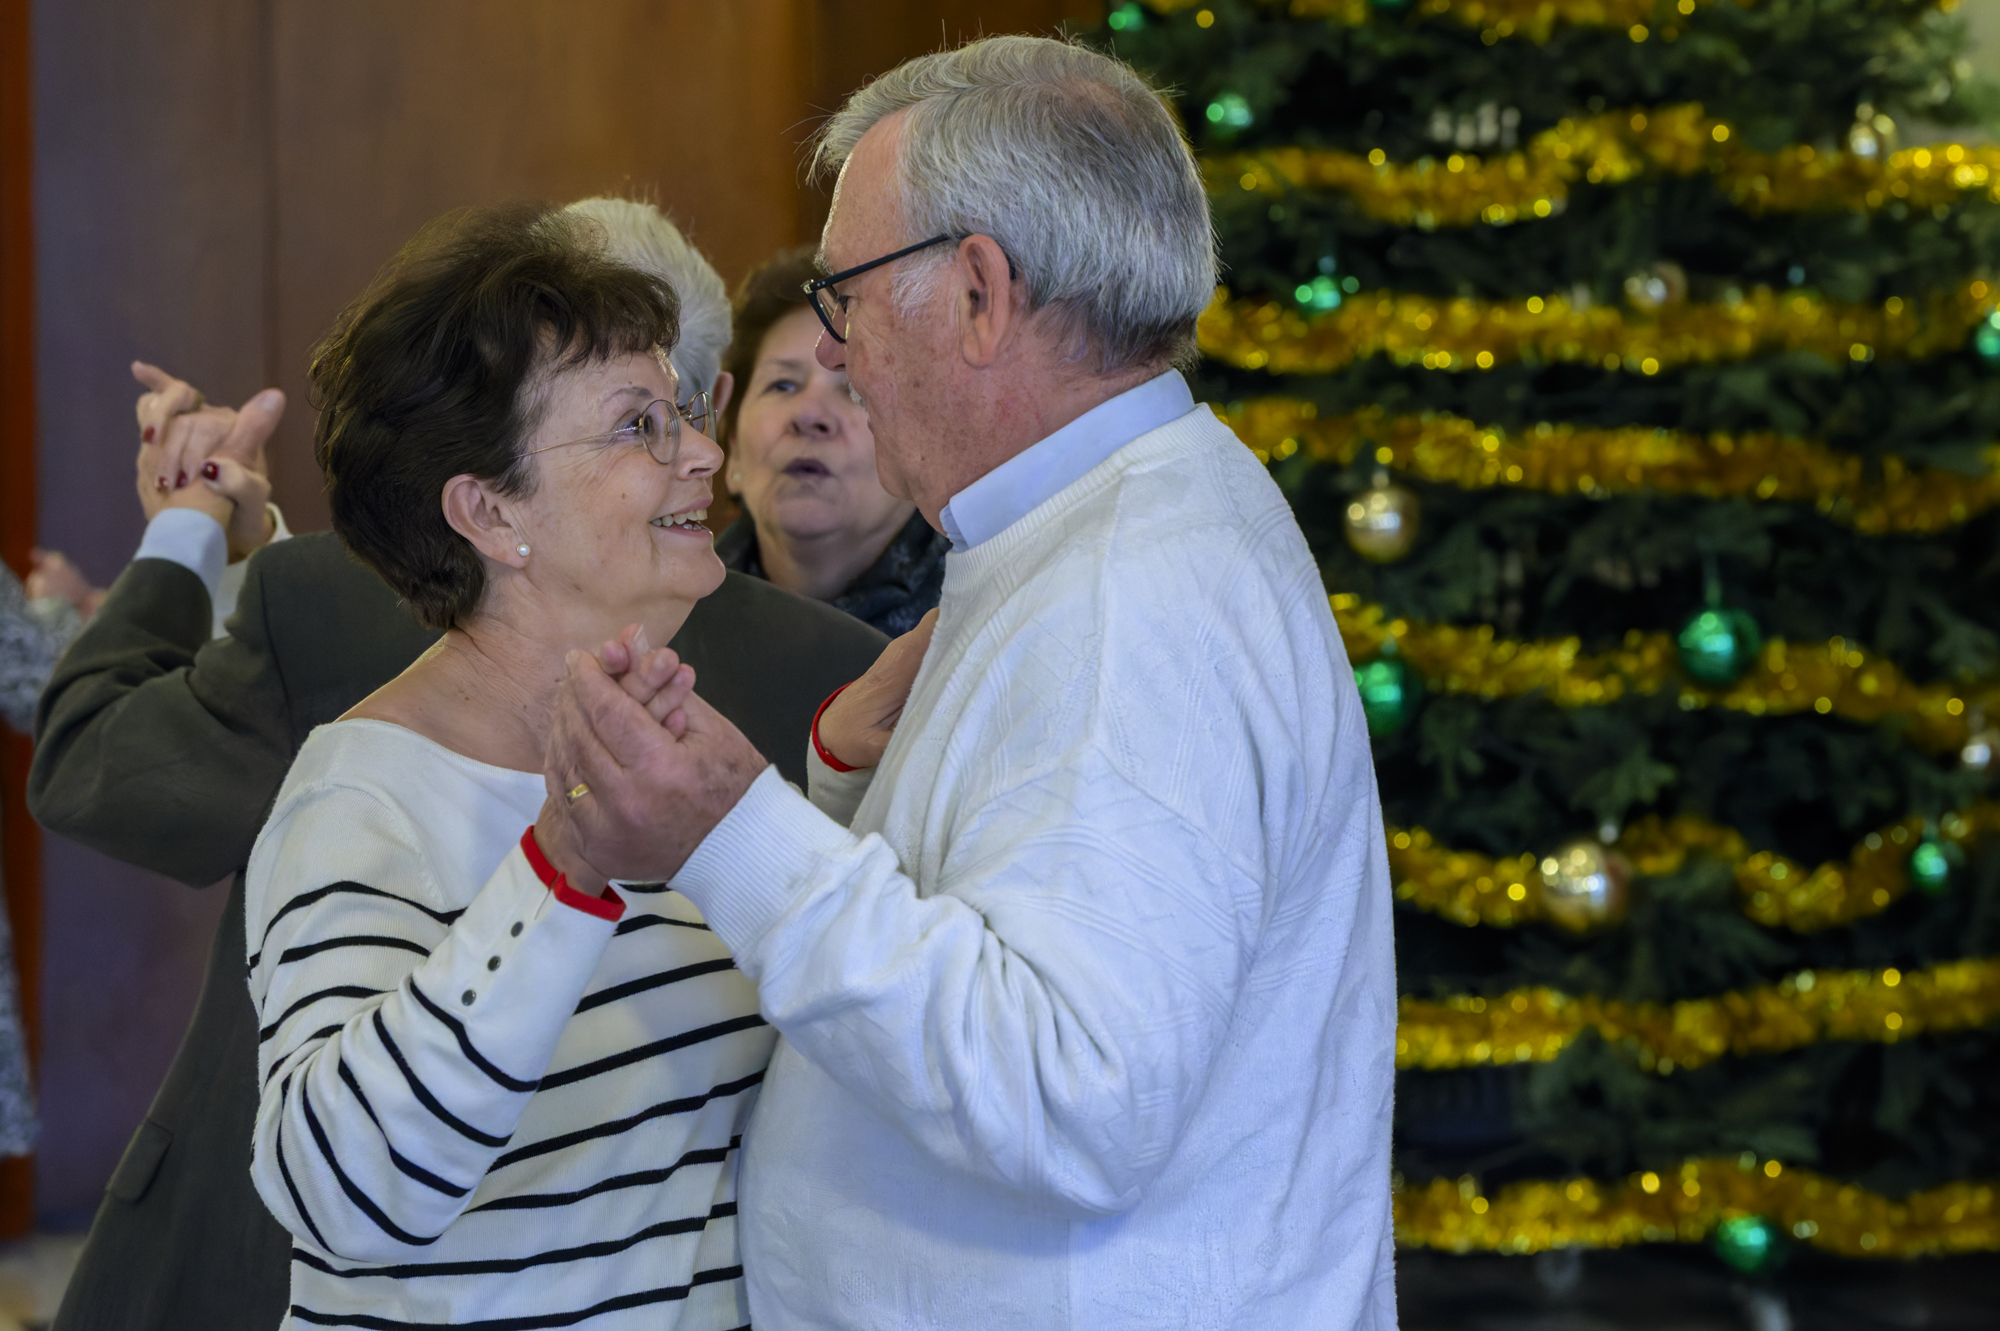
(747, 870)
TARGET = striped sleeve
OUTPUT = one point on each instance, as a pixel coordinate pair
(399, 1038)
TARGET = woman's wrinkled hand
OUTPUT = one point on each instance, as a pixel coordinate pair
(856, 726)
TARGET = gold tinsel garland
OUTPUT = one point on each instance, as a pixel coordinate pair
(1475, 334)
(1496, 19)
(1460, 188)
(1568, 459)
(1831, 678)
(1533, 19)
(1469, 888)
(1535, 1025)
(1684, 1205)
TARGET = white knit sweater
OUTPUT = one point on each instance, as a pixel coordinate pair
(1090, 1023)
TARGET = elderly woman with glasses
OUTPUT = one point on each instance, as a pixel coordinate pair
(490, 1095)
(802, 461)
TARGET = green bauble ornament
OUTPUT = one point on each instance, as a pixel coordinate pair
(1127, 17)
(1390, 694)
(1719, 644)
(1986, 339)
(1933, 863)
(1750, 1243)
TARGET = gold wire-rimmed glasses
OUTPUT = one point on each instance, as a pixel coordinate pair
(657, 429)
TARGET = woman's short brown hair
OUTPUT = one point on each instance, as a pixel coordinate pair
(773, 290)
(434, 372)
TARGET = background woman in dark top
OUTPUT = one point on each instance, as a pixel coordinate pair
(802, 463)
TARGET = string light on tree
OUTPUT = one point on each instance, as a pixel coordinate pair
(1390, 694)
(1323, 292)
(1586, 886)
(1381, 523)
(1229, 115)
(1127, 17)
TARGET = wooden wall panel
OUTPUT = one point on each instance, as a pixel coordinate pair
(389, 113)
(20, 839)
(149, 236)
(853, 41)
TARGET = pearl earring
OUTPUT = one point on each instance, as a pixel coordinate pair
(522, 549)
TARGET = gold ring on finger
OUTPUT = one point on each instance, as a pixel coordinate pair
(578, 791)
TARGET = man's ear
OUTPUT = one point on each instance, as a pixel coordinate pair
(991, 308)
(481, 517)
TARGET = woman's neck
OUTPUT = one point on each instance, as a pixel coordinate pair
(822, 567)
(485, 692)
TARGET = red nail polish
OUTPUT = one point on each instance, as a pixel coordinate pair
(210, 471)
(147, 434)
(159, 482)
(180, 480)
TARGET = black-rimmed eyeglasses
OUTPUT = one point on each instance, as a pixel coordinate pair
(831, 306)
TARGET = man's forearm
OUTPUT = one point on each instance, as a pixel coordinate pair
(1042, 1024)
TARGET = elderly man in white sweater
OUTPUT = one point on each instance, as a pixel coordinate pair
(1084, 980)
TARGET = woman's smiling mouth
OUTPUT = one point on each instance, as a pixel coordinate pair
(690, 520)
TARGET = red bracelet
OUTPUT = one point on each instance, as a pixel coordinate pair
(825, 754)
(610, 906)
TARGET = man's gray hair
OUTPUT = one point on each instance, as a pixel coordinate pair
(1075, 165)
(639, 235)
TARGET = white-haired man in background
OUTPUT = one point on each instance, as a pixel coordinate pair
(1089, 1020)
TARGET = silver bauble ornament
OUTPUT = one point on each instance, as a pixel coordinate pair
(1585, 886)
(1980, 747)
(1381, 522)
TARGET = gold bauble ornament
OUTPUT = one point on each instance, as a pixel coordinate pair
(1381, 522)
(1585, 886)
(1664, 284)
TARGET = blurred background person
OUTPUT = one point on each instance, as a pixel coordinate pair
(802, 461)
(641, 235)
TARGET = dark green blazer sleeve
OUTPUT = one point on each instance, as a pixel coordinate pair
(163, 748)
(140, 755)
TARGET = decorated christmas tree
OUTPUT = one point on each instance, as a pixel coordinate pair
(1634, 371)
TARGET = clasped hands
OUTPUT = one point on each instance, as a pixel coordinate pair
(659, 767)
(208, 458)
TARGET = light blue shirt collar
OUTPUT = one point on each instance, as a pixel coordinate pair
(1021, 484)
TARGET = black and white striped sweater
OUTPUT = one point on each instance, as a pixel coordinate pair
(483, 1105)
